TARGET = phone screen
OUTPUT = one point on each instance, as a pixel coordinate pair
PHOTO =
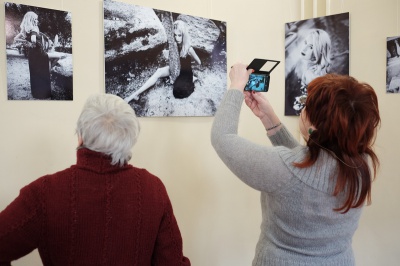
(257, 82)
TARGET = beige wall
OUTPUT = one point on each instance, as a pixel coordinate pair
(218, 215)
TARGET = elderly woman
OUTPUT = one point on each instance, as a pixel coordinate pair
(100, 211)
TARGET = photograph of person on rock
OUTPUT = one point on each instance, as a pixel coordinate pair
(164, 63)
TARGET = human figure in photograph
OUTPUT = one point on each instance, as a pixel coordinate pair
(184, 85)
(395, 48)
(147, 49)
(313, 48)
(39, 53)
(393, 65)
(315, 61)
(36, 45)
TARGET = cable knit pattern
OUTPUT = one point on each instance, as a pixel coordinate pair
(107, 220)
(44, 239)
(299, 226)
(93, 213)
(139, 221)
(74, 218)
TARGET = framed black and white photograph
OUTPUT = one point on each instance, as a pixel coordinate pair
(393, 64)
(313, 48)
(39, 53)
(164, 63)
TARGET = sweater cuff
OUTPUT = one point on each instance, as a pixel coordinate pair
(281, 137)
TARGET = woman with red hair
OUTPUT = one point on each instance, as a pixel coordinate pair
(311, 195)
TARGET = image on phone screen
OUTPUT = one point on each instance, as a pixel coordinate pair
(257, 82)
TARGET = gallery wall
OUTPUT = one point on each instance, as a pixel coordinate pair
(218, 215)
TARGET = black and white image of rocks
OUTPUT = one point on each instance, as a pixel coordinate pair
(136, 45)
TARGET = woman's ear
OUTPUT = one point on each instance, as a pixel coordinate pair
(311, 130)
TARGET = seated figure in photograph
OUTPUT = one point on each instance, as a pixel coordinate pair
(99, 211)
(183, 86)
(312, 195)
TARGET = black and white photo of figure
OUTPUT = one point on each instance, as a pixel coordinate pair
(39, 53)
(313, 48)
(164, 63)
(393, 64)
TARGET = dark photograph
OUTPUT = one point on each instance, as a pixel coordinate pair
(164, 63)
(313, 48)
(39, 53)
(393, 65)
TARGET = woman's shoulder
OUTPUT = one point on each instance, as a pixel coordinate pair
(148, 177)
(319, 175)
(151, 185)
(296, 153)
(191, 50)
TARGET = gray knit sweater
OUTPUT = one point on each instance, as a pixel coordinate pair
(299, 226)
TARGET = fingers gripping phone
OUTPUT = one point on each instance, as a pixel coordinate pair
(259, 80)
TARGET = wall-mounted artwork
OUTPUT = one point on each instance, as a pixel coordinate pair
(393, 64)
(313, 47)
(164, 63)
(39, 53)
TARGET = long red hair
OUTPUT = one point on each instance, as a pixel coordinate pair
(346, 116)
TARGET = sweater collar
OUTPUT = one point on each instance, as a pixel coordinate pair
(321, 176)
(96, 161)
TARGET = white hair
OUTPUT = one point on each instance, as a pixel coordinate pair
(181, 27)
(322, 50)
(107, 124)
(28, 24)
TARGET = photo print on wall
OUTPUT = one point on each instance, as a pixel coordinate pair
(39, 53)
(313, 48)
(164, 63)
(393, 64)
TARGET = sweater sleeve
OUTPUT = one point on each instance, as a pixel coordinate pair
(258, 166)
(168, 247)
(19, 226)
(284, 138)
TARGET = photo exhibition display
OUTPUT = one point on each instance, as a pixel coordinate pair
(393, 64)
(39, 53)
(313, 48)
(164, 63)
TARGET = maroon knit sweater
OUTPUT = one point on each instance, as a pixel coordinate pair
(93, 213)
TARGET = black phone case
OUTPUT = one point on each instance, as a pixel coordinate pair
(258, 63)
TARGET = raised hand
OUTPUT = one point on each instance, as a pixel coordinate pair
(239, 76)
(258, 104)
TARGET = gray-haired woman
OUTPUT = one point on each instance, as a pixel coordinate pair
(100, 211)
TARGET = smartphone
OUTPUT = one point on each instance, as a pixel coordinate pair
(258, 82)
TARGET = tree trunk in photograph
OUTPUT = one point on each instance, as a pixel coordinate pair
(174, 63)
